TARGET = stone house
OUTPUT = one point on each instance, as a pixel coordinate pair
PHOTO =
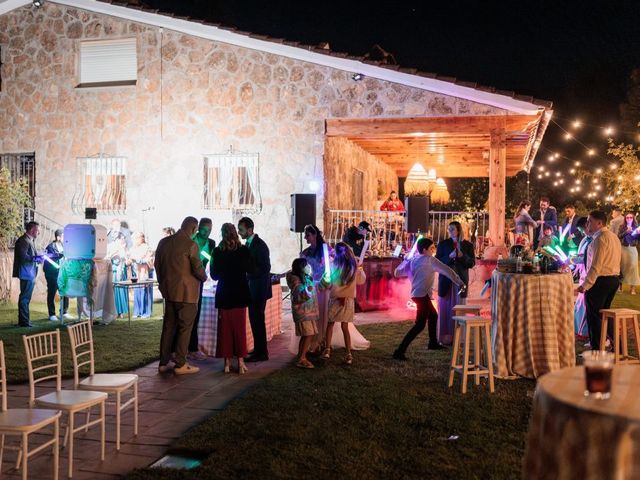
(150, 118)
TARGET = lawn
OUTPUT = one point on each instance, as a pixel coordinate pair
(118, 347)
(378, 418)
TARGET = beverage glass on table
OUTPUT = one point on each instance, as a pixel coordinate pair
(598, 368)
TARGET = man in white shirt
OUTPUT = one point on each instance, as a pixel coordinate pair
(422, 269)
(603, 268)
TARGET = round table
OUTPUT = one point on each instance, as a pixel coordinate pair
(532, 323)
(575, 437)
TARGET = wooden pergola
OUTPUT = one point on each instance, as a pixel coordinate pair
(494, 146)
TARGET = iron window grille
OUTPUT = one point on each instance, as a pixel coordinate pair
(101, 184)
(232, 182)
(21, 165)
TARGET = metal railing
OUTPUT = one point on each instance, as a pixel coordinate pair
(388, 228)
(48, 227)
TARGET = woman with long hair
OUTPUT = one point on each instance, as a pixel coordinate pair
(230, 263)
(392, 203)
(141, 261)
(118, 255)
(315, 258)
(523, 221)
(458, 254)
(345, 275)
(628, 236)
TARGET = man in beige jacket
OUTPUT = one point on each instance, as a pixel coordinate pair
(179, 271)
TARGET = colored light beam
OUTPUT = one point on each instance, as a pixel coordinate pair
(51, 261)
(205, 255)
(327, 264)
(365, 247)
(412, 252)
(563, 256)
(564, 231)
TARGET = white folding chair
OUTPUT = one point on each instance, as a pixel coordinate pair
(81, 337)
(23, 422)
(43, 357)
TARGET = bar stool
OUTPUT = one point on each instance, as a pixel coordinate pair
(619, 316)
(473, 329)
(461, 310)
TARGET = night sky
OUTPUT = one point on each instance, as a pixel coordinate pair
(577, 54)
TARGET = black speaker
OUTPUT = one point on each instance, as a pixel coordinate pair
(303, 211)
(417, 214)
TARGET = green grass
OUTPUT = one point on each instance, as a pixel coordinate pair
(117, 347)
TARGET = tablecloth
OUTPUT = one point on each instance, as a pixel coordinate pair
(104, 306)
(532, 323)
(575, 437)
(208, 323)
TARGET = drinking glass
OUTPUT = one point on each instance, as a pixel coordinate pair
(598, 367)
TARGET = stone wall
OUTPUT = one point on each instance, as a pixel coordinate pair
(341, 158)
(193, 96)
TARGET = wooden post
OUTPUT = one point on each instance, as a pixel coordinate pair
(497, 190)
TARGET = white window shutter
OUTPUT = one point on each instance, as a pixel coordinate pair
(108, 61)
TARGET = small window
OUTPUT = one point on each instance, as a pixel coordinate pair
(101, 184)
(231, 182)
(108, 63)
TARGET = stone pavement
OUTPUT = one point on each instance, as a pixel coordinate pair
(169, 406)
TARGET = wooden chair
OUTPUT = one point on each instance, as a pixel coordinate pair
(81, 337)
(43, 350)
(473, 326)
(23, 422)
(619, 317)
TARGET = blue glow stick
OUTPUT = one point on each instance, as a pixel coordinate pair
(51, 262)
(412, 252)
(327, 265)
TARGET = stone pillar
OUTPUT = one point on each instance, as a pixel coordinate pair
(497, 192)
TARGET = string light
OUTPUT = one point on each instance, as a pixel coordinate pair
(608, 131)
(578, 181)
(555, 184)
(573, 170)
(546, 174)
(613, 166)
(551, 158)
(591, 152)
(539, 176)
(568, 136)
(577, 164)
(577, 124)
(541, 168)
(598, 171)
(558, 174)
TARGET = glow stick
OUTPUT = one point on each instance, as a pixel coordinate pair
(327, 265)
(412, 252)
(550, 250)
(563, 256)
(205, 255)
(51, 262)
(564, 231)
(364, 250)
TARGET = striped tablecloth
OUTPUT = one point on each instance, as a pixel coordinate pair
(532, 323)
(575, 437)
(208, 324)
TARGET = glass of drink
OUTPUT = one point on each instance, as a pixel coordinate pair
(598, 367)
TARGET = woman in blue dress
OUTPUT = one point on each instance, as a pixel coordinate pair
(141, 259)
(118, 256)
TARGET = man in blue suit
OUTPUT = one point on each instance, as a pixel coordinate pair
(260, 287)
(547, 215)
(25, 267)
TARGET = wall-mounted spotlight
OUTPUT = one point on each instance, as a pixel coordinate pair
(356, 77)
(38, 3)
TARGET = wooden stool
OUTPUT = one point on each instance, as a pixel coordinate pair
(461, 310)
(619, 316)
(473, 327)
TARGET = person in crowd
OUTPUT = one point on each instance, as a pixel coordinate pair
(315, 258)
(421, 269)
(141, 260)
(117, 228)
(355, 237)
(392, 203)
(345, 275)
(616, 220)
(207, 246)
(580, 308)
(168, 231)
(180, 272)
(547, 215)
(55, 251)
(260, 286)
(571, 218)
(628, 233)
(118, 255)
(548, 239)
(524, 224)
(25, 268)
(457, 253)
(230, 264)
(304, 307)
(603, 267)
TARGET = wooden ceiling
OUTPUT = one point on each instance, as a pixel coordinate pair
(454, 146)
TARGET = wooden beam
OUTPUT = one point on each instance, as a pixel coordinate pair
(427, 125)
(497, 187)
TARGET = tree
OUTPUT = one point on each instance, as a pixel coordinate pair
(630, 110)
(14, 197)
(624, 181)
(467, 194)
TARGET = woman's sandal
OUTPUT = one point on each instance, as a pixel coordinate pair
(348, 359)
(326, 354)
(305, 364)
